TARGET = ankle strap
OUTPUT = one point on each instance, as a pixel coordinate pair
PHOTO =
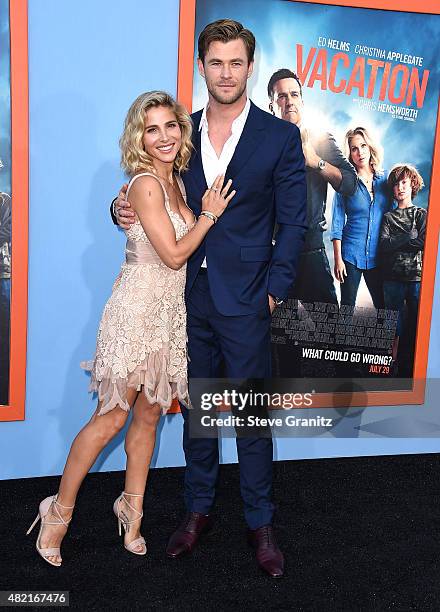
(60, 519)
(61, 505)
(122, 497)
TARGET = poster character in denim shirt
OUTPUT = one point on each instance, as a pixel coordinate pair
(357, 219)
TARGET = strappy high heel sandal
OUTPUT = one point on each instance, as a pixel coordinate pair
(124, 521)
(43, 510)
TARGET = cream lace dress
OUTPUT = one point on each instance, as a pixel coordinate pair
(142, 334)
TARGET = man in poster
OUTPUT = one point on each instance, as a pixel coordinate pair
(325, 164)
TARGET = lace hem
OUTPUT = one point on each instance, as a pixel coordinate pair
(151, 377)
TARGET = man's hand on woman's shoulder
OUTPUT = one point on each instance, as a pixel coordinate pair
(124, 213)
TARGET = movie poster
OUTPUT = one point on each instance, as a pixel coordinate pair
(362, 85)
(5, 201)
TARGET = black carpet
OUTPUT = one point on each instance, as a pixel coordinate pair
(358, 534)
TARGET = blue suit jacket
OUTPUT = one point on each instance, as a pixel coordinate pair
(268, 173)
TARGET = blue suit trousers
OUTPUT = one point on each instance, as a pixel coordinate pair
(233, 347)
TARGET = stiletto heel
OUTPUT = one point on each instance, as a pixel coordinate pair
(33, 524)
(125, 522)
(43, 510)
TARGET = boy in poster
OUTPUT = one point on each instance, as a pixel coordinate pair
(401, 244)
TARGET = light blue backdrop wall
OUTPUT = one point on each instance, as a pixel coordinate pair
(87, 62)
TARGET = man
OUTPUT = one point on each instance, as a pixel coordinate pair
(325, 164)
(236, 277)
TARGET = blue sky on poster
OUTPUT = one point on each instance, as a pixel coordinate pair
(279, 25)
(5, 103)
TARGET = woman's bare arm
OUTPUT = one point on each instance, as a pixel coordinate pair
(148, 202)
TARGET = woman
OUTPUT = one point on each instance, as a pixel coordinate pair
(140, 359)
(357, 219)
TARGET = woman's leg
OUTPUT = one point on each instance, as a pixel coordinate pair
(139, 446)
(350, 286)
(374, 282)
(85, 448)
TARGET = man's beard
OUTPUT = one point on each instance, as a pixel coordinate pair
(223, 100)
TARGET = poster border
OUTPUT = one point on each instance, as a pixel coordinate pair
(185, 73)
(18, 20)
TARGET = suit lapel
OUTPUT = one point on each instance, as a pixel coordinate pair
(250, 139)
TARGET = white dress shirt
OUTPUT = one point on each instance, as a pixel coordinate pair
(213, 165)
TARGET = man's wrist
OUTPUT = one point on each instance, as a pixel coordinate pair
(113, 207)
(278, 301)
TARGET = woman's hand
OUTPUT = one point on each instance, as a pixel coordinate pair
(216, 198)
(340, 270)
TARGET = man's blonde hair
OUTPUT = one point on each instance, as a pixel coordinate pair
(134, 159)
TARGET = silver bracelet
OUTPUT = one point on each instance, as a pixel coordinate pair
(210, 215)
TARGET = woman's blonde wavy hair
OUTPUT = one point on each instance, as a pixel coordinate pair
(376, 151)
(134, 159)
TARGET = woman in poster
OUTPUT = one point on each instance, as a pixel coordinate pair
(141, 360)
(357, 219)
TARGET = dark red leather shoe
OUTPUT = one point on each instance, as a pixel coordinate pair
(188, 533)
(269, 556)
